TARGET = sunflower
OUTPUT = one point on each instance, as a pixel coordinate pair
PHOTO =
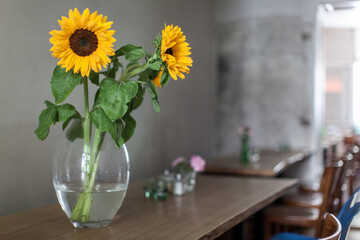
(175, 52)
(84, 42)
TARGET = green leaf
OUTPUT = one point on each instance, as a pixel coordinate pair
(65, 112)
(147, 54)
(129, 130)
(139, 98)
(75, 130)
(155, 103)
(112, 72)
(114, 97)
(156, 65)
(144, 76)
(63, 83)
(132, 52)
(157, 41)
(94, 77)
(119, 126)
(118, 53)
(96, 98)
(164, 78)
(102, 122)
(47, 118)
(67, 121)
(150, 87)
(53, 114)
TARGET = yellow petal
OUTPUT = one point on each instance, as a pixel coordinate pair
(157, 79)
(94, 22)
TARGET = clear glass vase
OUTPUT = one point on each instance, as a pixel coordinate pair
(90, 189)
(190, 181)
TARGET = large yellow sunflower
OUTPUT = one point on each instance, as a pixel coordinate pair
(175, 51)
(84, 42)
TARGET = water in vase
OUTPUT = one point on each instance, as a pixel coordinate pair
(106, 201)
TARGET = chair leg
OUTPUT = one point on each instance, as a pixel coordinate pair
(268, 232)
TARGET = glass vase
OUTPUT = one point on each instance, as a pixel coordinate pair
(90, 185)
(190, 181)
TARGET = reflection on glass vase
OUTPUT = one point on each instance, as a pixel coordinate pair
(190, 181)
(90, 185)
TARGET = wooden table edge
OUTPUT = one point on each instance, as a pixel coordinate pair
(242, 216)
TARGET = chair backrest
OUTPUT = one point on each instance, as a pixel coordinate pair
(338, 186)
(352, 172)
(331, 176)
(348, 212)
(332, 228)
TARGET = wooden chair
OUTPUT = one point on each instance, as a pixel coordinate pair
(315, 187)
(341, 185)
(331, 231)
(282, 217)
(354, 172)
(348, 211)
(315, 199)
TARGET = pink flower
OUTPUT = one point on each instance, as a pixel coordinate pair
(242, 130)
(177, 161)
(197, 163)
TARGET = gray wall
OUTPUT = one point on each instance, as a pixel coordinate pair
(184, 126)
(265, 54)
(265, 59)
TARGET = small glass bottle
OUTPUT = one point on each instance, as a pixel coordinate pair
(178, 188)
(190, 181)
(245, 153)
(169, 179)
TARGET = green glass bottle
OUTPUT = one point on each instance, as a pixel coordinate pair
(245, 152)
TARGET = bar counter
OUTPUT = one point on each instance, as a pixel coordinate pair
(218, 204)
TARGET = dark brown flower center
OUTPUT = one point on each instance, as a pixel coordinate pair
(169, 51)
(83, 42)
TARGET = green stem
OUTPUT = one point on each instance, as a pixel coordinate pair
(132, 67)
(82, 209)
(87, 123)
(98, 137)
(126, 75)
(141, 82)
(98, 140)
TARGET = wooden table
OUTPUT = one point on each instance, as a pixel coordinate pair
(270, 164)
(218, 204)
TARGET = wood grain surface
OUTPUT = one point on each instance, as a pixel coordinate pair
(270, 164)
(218, 204)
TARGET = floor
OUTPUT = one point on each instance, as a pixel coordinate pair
(354, 233)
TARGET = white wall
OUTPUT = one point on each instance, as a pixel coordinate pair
(184, 126)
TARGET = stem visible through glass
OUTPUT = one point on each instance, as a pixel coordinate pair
(81, 212)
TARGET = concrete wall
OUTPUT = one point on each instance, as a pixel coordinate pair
(184, 126)
(266, 58)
